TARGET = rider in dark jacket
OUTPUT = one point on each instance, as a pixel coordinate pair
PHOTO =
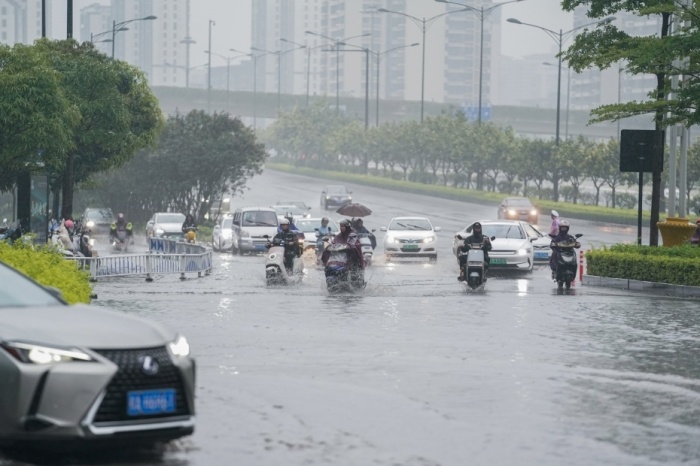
(562, 237)
(477, 237)
(347, 236)
(360, 229)
(288, 239)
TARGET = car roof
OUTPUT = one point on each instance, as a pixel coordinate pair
(410, 218)
(249, 208)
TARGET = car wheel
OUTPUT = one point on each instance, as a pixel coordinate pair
(239, 250)
(433, 258)
(387, 257)
(213, 246)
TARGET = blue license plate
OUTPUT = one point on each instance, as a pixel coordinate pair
(149, 402)
(259, 247)
(541, 255)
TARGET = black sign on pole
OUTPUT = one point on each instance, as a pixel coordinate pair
(641, 150)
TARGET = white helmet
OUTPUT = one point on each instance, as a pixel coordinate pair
(555, 213)
(284, 221)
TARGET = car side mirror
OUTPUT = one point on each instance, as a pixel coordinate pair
(266, 236)
(493, 238)
(308, 208)
(382, 229)
(373, 230)
(578, 235)
(458, 236)
(217, 227)
(437, 229)
(55, 292)
(532, 240)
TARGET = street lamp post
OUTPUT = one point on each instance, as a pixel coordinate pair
(255, 82)
(211, 23)
(279, 54)
(308, 64)
(379, 56)
(366, 51)
(481, 14)
(122, 28)
(336, 46)
(559, 38)
(423, 24)
(228, 72)
(568, 97)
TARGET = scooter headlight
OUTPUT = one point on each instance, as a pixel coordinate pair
(90, 224)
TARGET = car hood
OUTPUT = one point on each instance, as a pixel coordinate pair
(402, 234)
(260, 231)
(169, 227)
(81, 325)
(509, 244)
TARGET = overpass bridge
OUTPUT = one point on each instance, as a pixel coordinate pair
(526, 121)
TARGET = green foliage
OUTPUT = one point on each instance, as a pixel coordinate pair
(199, 158)
(677, 265)
(49, 268)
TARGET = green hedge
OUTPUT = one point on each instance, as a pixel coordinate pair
(677, 265)
(565, 209)
(49, 268)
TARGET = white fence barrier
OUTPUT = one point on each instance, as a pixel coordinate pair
(177, 258)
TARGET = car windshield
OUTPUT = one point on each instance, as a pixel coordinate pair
(18, 291)
(99, 214)
(259, 218)
(503, 230)
(518, 203)
(409, 224)
(301, 205)
(170, 218)
(227, 223)
(287, 209)
(310, 225)
(336, 190)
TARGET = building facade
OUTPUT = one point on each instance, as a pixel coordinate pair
(20, 21)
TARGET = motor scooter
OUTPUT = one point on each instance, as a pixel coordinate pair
(341, 276)
(322, 241)
(367, 249)
(474, 274)
(120, 240)
(276, 271)
(566, 262)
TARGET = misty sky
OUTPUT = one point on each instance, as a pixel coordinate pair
(232, 29)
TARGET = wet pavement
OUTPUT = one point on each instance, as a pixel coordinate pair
(417, 371)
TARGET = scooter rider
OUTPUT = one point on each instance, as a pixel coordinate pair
(347, 236)
(562, 237)
(284, 238)
(477, 237)
(360, 229)
(119, 225)
(323, 230)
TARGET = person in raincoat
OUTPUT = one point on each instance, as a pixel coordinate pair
(554, 228)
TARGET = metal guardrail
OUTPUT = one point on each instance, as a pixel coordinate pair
(164, 257)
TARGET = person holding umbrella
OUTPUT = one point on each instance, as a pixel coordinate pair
(360, 229)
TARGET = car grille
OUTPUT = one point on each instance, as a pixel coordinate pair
(131, 377)
(410, 241)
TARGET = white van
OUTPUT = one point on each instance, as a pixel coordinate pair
(250, 225)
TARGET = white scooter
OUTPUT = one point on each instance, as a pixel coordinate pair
(276, 273)
(475, 267)
(367, 249)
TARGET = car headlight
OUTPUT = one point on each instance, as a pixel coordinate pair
(429, 239)
(328, 197)
(533, 212)
(349, 198)
(180, 347)
(512, 212)
(90, 224)
(38, 354)
(523, 252)
(159, 231)
(245, 234)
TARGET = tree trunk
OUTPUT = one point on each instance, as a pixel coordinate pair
(67, 188)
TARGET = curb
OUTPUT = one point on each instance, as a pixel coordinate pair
(685, 291)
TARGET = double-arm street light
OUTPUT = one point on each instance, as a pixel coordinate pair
(254, 57)
(559, 38)
(279, 54)
(228, 72)
(336, 47)
(308, 63)
(118, 27)
(379, 55)
(480, 13)
(211, 23)
(366, 51)
(568, 97)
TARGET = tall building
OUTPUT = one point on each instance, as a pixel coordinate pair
(157, 46)
(20, 21)
(594, 87)
(452, 48)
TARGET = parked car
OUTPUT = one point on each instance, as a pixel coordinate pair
(97, 220)
(335, 196)
(512, 248)
(221, 236)
(290, 209)
(308, 226)
(165, 225)
(87, 373)
(249, 227)
(410, 237)
(518, 208)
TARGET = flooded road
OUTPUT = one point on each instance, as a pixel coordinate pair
(416, 371)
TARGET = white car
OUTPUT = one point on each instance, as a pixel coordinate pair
(290, 209)
(165, 225)
(308, 226)
(410, 237)
(512, 248)
(221, 237)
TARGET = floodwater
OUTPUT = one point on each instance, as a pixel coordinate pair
(415, 370)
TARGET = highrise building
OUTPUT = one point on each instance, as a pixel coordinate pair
(158, 47)
(452, 52)
(20, 21)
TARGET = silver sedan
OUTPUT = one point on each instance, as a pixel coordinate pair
(78, 373)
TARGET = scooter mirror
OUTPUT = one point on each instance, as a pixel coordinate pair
(578, 235)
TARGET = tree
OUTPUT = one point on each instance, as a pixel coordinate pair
(119, 114)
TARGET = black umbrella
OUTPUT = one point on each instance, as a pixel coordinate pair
(354, 210)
